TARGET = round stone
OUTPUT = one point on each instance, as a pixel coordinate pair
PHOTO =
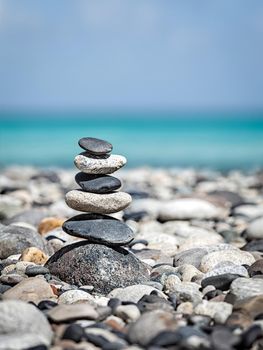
(97, 203)
(97, 183)
(90, 165)
(99, 228)
(95, 146)
(23, 326)
(98, 265)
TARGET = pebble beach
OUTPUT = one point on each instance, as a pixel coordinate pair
(161, 258)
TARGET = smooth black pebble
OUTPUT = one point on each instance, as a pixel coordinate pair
(95, 146)
(97, 183)
(99, 228)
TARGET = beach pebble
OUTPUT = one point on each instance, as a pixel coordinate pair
(235, 256)
(197, 241)
(217, 310)
(99, 228)
(15, 239)
(99, 166)
(97, 203)
(32, 270)
(254, 246)
(221, 282)
(103, 267)
(256, 268)
(187, 209)
(75, 295)
(149, 325)
(70, 312)
(30, 289)
(187, 291)
(95, 146)
(255, 229)
(227, 267)
(129, 313)
(97, 183)
(48, 224)
(22, 324)
(162, 241)
(133, 293)
(242, 288)
(192, 257)
(34, 255)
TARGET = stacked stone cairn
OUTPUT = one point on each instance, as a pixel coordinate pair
(99, 260)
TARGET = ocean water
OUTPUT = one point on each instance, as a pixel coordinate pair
(212, 140)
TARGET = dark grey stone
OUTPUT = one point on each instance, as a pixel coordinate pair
(32, 271)
(74, 332)
(15, 239)
(98, 265)
(99, 228)
(221, 282)
(95, 146)
(97, 183)
(256, 246)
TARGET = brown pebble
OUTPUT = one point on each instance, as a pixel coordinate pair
(34, 255)
(48, 224)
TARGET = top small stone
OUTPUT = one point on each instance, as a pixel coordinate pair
(95, 146)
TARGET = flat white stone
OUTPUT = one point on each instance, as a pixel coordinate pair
(99, 165)
(97, 203)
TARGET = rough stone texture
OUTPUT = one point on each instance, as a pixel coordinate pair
(103, 267)
(227, 267)
(235, 256)
(242, 288)
(70, 312)
(95, 146)
(134, 293)
(97, 183)
(149, 325)
(219, 311)
(97, 203)
(15, 239)
(30, 289)
(99, 228)
(188, 208)
(22, 326)
(99, 166)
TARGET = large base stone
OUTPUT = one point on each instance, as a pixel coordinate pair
(103, 267)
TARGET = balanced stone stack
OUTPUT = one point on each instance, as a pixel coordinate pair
(100, 260)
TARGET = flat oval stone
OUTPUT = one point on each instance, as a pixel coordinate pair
(103, 267)
(90, 165)
(99, 228)
(95, 146)
(97, 203)
(97, 183)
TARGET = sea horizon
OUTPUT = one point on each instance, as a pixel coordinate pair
(220, 140)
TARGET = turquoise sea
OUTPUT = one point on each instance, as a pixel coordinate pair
(164, 139)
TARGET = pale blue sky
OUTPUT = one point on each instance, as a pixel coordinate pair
(131, 53)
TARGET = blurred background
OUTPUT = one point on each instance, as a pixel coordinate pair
(170, 83)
